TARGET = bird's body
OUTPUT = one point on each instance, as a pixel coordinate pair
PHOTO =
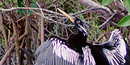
(76, 50)
(57, 52)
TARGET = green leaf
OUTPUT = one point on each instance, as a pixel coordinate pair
(127, 5)
(99, 0)
(34, 5)
(1, 3)
(21, 4)
(106, 2)
(125, 21)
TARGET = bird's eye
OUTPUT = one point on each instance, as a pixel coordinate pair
(74, 18)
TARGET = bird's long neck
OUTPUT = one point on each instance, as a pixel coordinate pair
(82, 36)
(77, 41)
(82, 28)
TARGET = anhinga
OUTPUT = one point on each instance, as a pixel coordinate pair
(76, 51)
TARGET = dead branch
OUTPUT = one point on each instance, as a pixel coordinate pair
(28, 53)
(93, 5)
(96, 41)
(16, 8)
(108, 20)
(69, 25)
(42, 24)
(5, 36)
(17, 45)
(6, 55)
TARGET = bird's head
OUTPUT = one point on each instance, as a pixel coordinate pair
(78, 23)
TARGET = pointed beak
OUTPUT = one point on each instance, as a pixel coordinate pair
(72, 19)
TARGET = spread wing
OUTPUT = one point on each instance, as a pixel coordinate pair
(88, 57)
(55, 52)
(118, 50)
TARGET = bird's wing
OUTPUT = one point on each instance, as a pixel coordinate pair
(116, 54)
(88, 57)
(55, 52)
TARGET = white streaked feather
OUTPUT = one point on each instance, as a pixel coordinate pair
(63, 51)
(88, 57)
(116, 55)
(56, 48)
(122, 47)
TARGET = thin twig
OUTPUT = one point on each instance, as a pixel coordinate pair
(28, 53)
(53, 20)
(5, 36)
(92, 4)
(42, 24)
(6, 55)
(108, 20)
(100, 37)
(16, 8)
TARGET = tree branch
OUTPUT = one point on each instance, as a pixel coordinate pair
(95, 6)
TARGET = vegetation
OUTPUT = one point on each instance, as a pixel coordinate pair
(25, 24)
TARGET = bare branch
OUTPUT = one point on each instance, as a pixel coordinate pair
(93, 5)
(108, 20)
(42, 24)
(16, 8)
(6, 55)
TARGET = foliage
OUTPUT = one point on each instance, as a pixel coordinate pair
(28, 25)
(127, 4)
(125, 21)
(106, 2)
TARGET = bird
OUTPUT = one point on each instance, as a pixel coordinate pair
(77, 51)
